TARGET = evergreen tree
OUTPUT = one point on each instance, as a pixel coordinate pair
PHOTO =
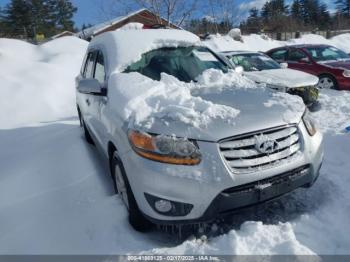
(324, 18)
(17, 18)
(253, 22)
(28, 18)
(296, 10)
(62, 15)
(343, 7)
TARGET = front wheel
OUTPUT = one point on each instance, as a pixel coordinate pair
(123, 189)
(87, 135)
(327, 82)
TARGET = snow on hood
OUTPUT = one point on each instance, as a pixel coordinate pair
(129, 45)
(283, 77)
(207, 109)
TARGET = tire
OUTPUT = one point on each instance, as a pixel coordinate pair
(122, 188)
(327, 82)
(87, 135)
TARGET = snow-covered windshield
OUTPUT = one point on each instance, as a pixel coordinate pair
(185, 63)
(254, 62)
(327, 53)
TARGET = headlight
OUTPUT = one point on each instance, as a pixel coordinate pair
(166, 149)
(346, 73)
(309, 124)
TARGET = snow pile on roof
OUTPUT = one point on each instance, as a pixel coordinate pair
(263, 43)
(145, 101)
(139, 43)
(132, 26)
(37, 82)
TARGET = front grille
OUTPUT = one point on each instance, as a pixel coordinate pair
(243, 154)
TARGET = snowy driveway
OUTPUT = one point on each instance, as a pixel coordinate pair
(56, 198)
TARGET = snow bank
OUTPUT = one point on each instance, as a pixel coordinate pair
(252, 238)
(263, 43)
(253, 42)
(334, 115)
(37, 82)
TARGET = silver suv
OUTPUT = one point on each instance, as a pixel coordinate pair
(170, 171)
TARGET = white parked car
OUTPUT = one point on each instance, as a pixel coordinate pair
(184, 143)
(263, 69)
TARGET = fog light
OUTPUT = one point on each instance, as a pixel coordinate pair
(167, 207)
(163, 206)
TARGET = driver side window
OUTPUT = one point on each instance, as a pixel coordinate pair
(279, 55)
(100, 73)
(89, 66)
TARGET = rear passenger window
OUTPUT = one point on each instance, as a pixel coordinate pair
(100, 72)
(296, 55)
(89, 67)
(279, 55)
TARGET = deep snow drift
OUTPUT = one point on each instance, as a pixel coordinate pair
(37, 83)
(56, 196)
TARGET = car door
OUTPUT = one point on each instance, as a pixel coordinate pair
(98, 101)
(299, 60)
(84, 99)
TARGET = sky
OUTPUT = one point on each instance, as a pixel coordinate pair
(93, 11)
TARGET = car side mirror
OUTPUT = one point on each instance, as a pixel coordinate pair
(304, 60)
(239, 70)
(90, 86)
(284, 65)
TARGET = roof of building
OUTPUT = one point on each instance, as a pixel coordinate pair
(62, 34)
(100, 28)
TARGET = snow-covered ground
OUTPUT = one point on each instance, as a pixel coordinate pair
(56, 196)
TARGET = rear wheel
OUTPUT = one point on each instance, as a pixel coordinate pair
(327, 82)
(123, 189)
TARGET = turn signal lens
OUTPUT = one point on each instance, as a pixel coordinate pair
(165, 149)
(309, 124)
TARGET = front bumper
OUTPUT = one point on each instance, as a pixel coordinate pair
(343, 83)
(234, 199)
(211, 187)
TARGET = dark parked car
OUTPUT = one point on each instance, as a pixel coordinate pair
(330, 64)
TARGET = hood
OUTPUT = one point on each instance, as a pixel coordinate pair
(259, 108)
(337, 64)
(283, 77)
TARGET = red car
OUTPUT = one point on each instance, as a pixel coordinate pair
(330, 64)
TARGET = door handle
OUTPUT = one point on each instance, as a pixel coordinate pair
(87, 101)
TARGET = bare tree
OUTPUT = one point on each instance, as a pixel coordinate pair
(224, 12)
